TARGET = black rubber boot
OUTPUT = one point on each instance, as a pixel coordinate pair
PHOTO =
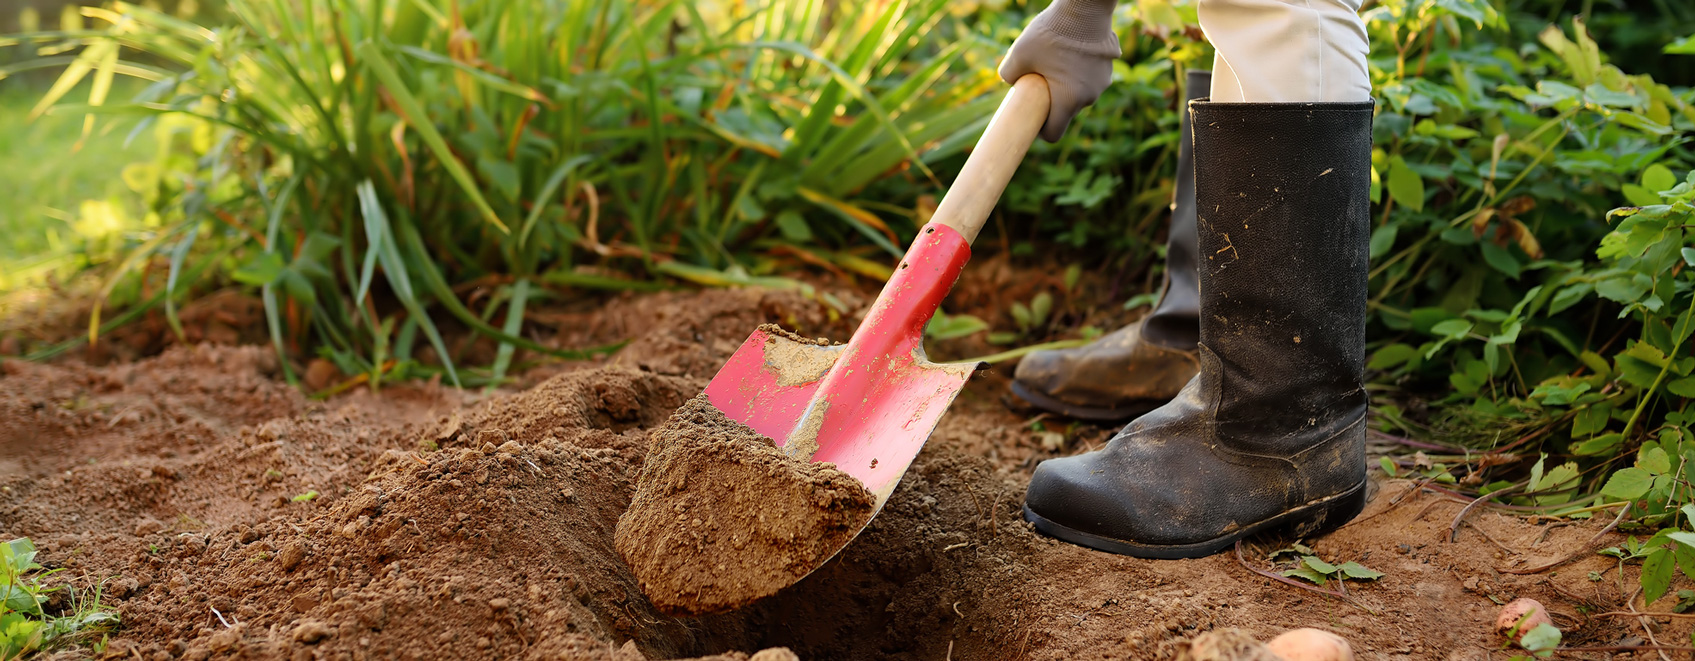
(1271, 433)
(1130, 371)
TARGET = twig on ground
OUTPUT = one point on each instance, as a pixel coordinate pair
(1393, 503)
(1454, 529)
(1643, 620)
(1492, 540)
(1642, 613)
(1543, 537)
(1624, 648)
(1434, 503)
(221, 619)
(1585, 548)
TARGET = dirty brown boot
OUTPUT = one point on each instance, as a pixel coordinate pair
(1132, 370)
(1271, 433)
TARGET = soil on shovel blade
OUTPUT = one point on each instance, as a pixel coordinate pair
(721, 517)
(227, 516)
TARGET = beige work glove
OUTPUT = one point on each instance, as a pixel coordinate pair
(1071, 44)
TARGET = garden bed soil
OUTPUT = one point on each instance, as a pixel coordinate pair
(227, 515)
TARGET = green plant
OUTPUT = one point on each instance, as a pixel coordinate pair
(25, 627)
(363, 162)
(1540, 641)
(1308, 566)
(1029, 318)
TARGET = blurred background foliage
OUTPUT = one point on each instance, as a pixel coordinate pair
(377, 171)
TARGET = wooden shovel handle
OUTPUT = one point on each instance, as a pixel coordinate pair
(974, 194)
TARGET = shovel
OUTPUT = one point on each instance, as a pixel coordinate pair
(868, 406)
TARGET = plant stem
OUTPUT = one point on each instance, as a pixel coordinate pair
(1648, 395)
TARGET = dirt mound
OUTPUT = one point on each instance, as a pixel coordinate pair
(721, 517)
(202, 491)
(691, 333)
(480, 548)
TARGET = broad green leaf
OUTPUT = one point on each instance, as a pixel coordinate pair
(1391, 356)
(1308, 574)
(1405, 185)
(1569, 296)
(1598, 446)
(1382, 239)
(1356, 570)
(1041, 305)
(1595, 362)
(1452, 328)
(1640, 364)
(1560, 391)
(1657, 570)
(1683, 537)
(1591, 420)
(1658, 178)
(1501, 259)
(1318, 565)
(1560, 483)
(17, 598)
(1638, 195)
(1628, 484)
(1653, 459)
(954, 326)
(1684, 387)
(1541, 640)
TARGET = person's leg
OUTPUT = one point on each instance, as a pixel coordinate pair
(1271, 432)
(1136, 368)
(1282, 51)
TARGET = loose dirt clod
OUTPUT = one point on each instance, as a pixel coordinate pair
(799, 360)
(722, 518)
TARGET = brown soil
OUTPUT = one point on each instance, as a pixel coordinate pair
(722, 518)
(450, 525)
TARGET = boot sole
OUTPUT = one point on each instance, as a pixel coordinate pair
(1085, 413)
(1320, 517)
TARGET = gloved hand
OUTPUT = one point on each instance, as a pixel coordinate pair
(1071, 43)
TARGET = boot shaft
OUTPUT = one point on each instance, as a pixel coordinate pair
(1175, 322)
(1282, 193)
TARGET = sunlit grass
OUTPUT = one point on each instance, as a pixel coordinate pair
(363, 162)
(52, 193)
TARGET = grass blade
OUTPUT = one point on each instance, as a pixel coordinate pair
(378, 231)
(514, 324)
(177, 255)
(546, 195)
(414, 114)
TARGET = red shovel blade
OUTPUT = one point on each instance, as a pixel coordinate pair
(869, 405)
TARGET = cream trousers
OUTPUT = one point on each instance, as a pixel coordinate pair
(1287, 51)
